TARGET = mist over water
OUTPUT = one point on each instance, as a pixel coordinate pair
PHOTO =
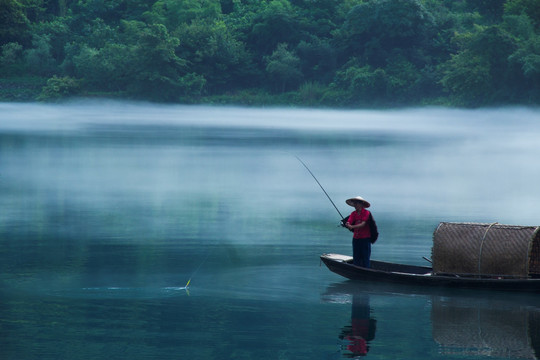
(115, 204)
(463, 165)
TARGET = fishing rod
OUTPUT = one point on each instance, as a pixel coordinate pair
(343, 219)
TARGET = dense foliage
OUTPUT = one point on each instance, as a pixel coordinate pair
(310, 52)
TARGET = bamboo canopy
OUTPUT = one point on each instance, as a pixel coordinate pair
(486, 249)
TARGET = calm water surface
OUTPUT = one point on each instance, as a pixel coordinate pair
(108, 209)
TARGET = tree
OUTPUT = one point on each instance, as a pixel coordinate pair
(157, 68)
(363, 83)
(14, 24)
(318, 59)
(402, 80)
(467, 77)
(377, 30)
(352, 51)
(59, 88)
(35, 10)
(531, 8)
(108, 68)
(11, 59)
(319, 17)
(58, 33)
(492, 9)
(58, 7)
(99, 34)
(84, 11)
(525, 61)
(39, 59)
(482, 63)
(145, 64)
(275, 24)
(11, 54)
(283, 66)
(174, 13)
(210, 49)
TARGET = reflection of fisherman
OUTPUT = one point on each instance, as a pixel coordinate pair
(358, 222)
(362, 329)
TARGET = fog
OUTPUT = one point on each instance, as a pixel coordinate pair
(137, 169)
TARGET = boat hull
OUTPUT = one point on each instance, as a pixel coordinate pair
(421, 275)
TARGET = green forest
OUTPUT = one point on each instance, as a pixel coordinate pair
(347, 53)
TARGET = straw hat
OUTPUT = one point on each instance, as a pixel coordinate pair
(351, 201)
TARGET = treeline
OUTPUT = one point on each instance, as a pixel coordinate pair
(309, 52)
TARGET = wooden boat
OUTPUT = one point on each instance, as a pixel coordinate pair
(381, 271)
(468, 255)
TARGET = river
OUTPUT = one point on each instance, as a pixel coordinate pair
(110, 208)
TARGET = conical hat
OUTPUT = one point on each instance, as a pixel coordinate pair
(351, 201)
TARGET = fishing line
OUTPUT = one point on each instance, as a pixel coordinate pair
(197, 269)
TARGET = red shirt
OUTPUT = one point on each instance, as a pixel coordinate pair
(356, 218)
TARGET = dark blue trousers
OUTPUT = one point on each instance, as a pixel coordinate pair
(361, 252)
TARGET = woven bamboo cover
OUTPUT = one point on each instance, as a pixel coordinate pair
(534, 260)
(483, 249)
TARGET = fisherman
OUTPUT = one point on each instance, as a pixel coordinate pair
(358, 223)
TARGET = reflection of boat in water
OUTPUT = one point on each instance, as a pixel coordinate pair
(463, 322)
(485, 329)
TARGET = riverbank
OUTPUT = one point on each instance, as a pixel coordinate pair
(21, 88)
(40, 89)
